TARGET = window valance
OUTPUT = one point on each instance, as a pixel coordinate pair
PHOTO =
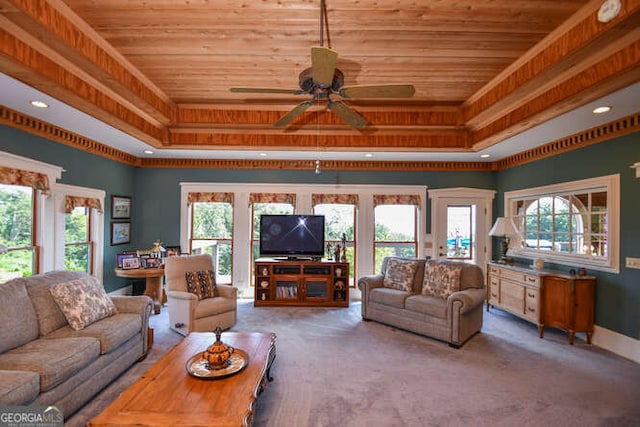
(208, 197)
(400, 199)
(36, 180)
(272, 198)
(338, 199)
(72, 202)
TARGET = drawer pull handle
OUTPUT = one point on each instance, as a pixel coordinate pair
(494, 295)
(533, 310)
(530, 295)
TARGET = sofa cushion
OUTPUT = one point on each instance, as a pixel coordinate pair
(55, 360)
(390, 297)
(431, 306)
(83, 301)
(441, 278)
(17, 316)
(202, 284)
(400, 274)
(111, 331)
(18, 387)
(50, 317)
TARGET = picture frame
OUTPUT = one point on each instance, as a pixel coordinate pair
(120, 233)
(120, 207)
(122, 256)
(130, 263)
(150, 262)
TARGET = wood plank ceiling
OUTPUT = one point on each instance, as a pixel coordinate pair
(161, 70)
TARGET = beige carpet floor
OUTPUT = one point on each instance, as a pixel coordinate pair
(333, 369)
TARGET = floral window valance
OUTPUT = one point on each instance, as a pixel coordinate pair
(272, 198)
(37, 181)
(401, 199)
(222, 197)
(334, 199)
(72, 202)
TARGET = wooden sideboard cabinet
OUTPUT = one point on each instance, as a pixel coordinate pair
(311, 283)
(546, 298)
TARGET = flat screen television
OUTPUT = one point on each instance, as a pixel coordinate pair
(292, 236)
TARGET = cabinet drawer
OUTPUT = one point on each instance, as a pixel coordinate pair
(494, 290)
(512, 296)
(531, 304)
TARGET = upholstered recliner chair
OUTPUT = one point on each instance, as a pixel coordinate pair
(193, 311)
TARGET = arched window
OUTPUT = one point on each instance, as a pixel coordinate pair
(573, 223)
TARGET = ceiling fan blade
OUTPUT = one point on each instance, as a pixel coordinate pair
(266, 90)
(323, 63)
(380, 91)
(349, 116)
(291, 115)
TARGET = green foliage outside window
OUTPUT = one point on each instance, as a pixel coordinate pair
(77, 251)
(16, 220)
(214, 222)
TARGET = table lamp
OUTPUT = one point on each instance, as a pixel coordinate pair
(505, 228)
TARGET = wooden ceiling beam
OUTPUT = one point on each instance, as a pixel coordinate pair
(60, 34)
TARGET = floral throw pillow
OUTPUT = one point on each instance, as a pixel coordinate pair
(441, 279)
(83, 301)
(400, 274)
(202, 284)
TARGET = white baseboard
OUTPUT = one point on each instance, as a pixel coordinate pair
(619, 344)
(127, 290)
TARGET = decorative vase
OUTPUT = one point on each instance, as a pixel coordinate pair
(218, 355)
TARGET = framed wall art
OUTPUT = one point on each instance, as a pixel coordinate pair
(120, 207)
(120, 233)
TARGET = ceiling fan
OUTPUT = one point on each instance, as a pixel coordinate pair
(323, 79)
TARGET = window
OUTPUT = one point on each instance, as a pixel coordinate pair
(340, 225)
(78, 247)
(461, 233)
(212, 233)
(17, 225)
(573, 223)
(395, 232)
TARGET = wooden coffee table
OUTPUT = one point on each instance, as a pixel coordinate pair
(166, 395)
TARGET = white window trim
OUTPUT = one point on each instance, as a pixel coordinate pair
(242, 220)
(59, 193)
(45, 213)
(612, 185)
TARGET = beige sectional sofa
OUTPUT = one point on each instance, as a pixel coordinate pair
(446, 303)
(45, 361)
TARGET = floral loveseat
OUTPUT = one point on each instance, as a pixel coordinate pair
(439, 299)
(63, 339)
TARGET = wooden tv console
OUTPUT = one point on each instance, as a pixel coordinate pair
(301, 283)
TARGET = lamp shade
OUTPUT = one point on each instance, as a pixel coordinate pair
(504, 227)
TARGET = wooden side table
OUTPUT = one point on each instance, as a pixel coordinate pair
(153, 282)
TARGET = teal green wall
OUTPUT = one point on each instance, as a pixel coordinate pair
(158, 190)
(156, 196)
(617, 295)
(86, 170)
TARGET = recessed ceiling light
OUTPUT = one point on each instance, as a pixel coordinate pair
(368, 155)
(39, 104)
(148, 152)
(603, 109)
(263, 154)
(485, 156)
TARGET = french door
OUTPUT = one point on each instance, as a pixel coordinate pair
(460, 221)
